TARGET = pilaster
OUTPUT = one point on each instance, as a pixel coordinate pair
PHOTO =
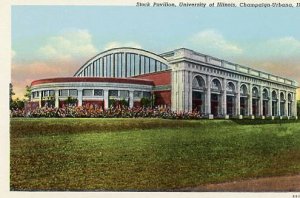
(56, 94)
(250, 100)
(105, 94)
(79, 98)
(208, 95)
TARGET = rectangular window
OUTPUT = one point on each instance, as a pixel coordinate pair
(104, 67)
(51, 93)
(123, 65)
(98, 92)
(132, 62)
(73, 92)
(147, 65)
(87, 92)
(94, 69)
(124, 94)
(113, 93)
(128, 61)
(116, 64)
(158, 65)
(112, 66)
(146, 94)
(152, 65)
(142, 64)
(101, 68)
(108, 72)
(45, 93)
(137, 94)
(63, 92)
(119, 65)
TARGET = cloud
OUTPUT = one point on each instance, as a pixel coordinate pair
(212, 42)
(116, 44)
(24, 73)
(71, 44)
(279, 49)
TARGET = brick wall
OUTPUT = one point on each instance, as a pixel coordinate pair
(163, 98)
(158, 78)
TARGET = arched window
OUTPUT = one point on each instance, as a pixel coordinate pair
(255, 92)
(290, 97)
(230, 87)
(198, 83)
(216, 85)
(274, 95)
(281, 96)
(243, 90)
(265, 94)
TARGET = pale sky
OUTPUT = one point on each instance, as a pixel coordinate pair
(51, 41)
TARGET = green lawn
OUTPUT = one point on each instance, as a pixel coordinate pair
(148, 154)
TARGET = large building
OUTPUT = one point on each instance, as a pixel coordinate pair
(183, 80)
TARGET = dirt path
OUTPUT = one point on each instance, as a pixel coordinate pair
(269, 184)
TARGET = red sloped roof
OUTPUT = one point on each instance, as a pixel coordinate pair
(92, 79)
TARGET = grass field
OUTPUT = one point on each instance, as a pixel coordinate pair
(148, 154)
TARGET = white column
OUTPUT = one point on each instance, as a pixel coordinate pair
(190, 86)
(286, 107)
(174, 90)
(56, 98)
(261, 101)
(250, 100)
(270, 103)
(278, 104)
(238, 99)
(224, 97)
(130, 99)
(208, 95)
(105, 94)
(40, 99)
(79, 97)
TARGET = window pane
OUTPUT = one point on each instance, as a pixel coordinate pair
(137, 94)
(158, 66)
(52, 93)
(113, 93)
(128, 65)
(124, 94)
(123, 65)
(63, 92)
(152, 65)
(147, 65)
(108, 74)
(132, 61)
(136, 64)
(87, 92)
(146, 94)
(101, 68)
(45, 93)
(73, 92)
(142, 64)
(98, 92)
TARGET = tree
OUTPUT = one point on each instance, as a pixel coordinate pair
(11, 93)
(17, 104)
(28, 93)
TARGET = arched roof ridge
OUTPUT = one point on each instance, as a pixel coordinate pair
(130, 49)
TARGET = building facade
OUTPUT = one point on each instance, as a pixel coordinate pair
(182, 80)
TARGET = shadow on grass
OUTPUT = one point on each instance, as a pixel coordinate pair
(261, 121)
